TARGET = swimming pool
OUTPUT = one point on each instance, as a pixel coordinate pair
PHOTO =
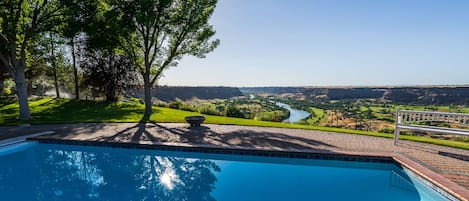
(37, 171)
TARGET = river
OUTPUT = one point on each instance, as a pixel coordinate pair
(295, 115)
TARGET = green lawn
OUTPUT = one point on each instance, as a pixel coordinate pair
(48, 110)
(320, 115)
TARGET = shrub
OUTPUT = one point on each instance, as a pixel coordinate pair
(161, 104)
(208, 109)
(233, 111)
(386, 130)
(136, 100)
(276, 116)
(6, 91)
(401, 132)
(175, 105)
(187, 107)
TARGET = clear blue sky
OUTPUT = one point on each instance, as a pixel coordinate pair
(331, 43)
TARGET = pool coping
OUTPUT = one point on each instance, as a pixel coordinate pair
(435, 179)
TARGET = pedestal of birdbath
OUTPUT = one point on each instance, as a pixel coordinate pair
(195, 121)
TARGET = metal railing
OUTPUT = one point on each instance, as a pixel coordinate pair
(411, 120)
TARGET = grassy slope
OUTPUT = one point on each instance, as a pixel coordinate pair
(320, 115)
(49, 110)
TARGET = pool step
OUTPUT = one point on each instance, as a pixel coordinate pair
(22, 138)
(401, 182)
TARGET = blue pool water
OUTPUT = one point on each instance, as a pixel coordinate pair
(34, 171)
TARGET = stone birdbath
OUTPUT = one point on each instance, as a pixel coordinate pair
(195, 121)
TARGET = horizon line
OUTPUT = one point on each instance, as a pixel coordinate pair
(329, 86)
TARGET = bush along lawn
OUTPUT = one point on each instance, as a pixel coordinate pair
(52, 111)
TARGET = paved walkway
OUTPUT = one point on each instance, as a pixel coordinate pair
(449, 162)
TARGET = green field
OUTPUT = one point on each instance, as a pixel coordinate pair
(319, 116)
(49, 111)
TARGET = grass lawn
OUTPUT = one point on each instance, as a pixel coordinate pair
(320, 115)
(48, 111)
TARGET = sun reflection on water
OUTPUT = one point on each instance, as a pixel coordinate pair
(169, 178)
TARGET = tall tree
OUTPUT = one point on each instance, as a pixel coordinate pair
(53, 46)
(36, 62)
(79, 16)
(165, 31)
(20, 22)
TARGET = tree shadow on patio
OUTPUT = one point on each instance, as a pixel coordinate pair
(137, 133)
(151, 133)
(63, 131)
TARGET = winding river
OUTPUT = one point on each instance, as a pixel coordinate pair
(295, 115)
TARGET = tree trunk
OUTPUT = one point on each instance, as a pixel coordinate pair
(54, 68)
(147, 96)
(147, 99)
(22, 93)
(30, 87)
(56, 83)
(75, 71)
(2, 84)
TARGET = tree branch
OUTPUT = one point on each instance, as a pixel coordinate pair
(156, 49)
(7, 65)
(3, 37)
(173, 52)
(157, 28)
(12, 43)
(18, 12)
(172, 55)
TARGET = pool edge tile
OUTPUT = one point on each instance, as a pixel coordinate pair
(435, 178)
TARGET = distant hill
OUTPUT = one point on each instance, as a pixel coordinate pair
(444, 95)
(169, 93)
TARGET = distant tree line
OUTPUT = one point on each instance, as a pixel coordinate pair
(399, 95)
(185, 93)
(263, 110)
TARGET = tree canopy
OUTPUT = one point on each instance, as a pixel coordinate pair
(21, 21)
(163, 32)
(154, 34)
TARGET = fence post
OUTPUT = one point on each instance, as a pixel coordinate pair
(396, 129)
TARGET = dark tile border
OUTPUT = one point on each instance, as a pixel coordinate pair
(435, 181)
(230, 151)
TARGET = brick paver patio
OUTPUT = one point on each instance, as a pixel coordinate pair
(449, 162)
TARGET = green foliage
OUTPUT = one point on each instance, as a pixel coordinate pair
(208, 109)
(6, 91)
(188, 107)
(48, 64)
(159, 103)
(368, 114)
(233, 111)
(316, 117)
(276, 116)
(21, 23)
(156, 34)
(239, 108)
(107, 73)
(162, 32)
(175, 104)
(386, 130)
(135, 100)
